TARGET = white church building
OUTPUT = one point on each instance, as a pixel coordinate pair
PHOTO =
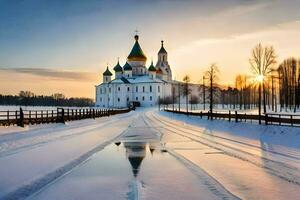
(134, 82)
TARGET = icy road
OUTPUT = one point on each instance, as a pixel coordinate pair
(146, 154)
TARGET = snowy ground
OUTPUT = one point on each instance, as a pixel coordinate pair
(146, 154)
(225, 109)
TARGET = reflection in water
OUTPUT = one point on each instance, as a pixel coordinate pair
(152, 147)
(117, 143)
(135, 152)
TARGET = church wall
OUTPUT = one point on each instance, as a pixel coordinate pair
(119, 94)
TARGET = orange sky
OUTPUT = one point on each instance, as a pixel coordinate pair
(68, 51)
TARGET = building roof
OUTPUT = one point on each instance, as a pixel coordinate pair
(136, 53)
(127, 67)
(137, 79)
(107, 72)
(159, 71)
(151, 67)
(118, 68)
(162, 49)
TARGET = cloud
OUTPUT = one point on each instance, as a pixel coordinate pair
(52, 73)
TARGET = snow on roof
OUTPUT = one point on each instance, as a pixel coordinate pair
(137, 79)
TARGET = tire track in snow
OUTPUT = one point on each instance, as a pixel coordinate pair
(212, 184)
(238, 142)
(233, 152)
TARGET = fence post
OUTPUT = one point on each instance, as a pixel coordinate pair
(266, 119)
(229, 116)
(21, 119)
(7, 117)
(29, 122)
(279, 119)
(236, 116)
(42, 116)
(52, 115)
(201, 114)
(292, 120)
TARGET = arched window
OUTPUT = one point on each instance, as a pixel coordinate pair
(150, 88)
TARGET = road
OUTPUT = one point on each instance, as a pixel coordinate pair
(144, 154)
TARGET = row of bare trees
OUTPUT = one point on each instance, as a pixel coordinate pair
(268, 86)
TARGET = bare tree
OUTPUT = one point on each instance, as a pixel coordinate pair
(262, 61)
(186, 80)
(212, 75)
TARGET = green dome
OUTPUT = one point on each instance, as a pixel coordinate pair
(107, 72)
(151, 68)
(118, 68)
(127, 67)
(136, 53)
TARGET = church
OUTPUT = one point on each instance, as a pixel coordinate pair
(134, 82)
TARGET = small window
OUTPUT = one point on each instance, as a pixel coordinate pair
(101, 99)
(136, 98)
(118, 88)
(150, 88)
(109, 90)
(128, 89)
(158, 88)
(150, 98)
(100, 90)
(143, 88)
(118, 99)
(143, 98)
(127, 99)
(108, 99)
(136, 89)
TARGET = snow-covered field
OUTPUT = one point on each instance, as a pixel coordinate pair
(147, 154)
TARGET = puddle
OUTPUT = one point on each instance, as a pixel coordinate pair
(128, 170)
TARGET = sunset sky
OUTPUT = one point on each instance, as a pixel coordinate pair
(49, 46)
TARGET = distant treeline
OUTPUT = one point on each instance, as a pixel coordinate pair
(27, 98)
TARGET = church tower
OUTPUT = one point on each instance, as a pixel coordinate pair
(107, 76)
(118, 70)
(162, 63)
(137, 59)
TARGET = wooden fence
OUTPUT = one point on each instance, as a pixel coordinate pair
(269, 118)
(60, 115)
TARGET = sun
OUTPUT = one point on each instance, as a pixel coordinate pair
(259, 78)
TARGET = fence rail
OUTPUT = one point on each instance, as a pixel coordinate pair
(60, 115)
(269, 118)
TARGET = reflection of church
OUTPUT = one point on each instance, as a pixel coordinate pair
(135, 152)
(134, 82)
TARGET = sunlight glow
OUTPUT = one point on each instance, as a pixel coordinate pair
(259, 78)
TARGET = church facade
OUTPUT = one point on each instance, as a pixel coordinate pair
(134, 82)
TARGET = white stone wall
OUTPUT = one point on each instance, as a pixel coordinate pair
(120, 94)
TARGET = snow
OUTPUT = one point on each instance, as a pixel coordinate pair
(150, 154)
